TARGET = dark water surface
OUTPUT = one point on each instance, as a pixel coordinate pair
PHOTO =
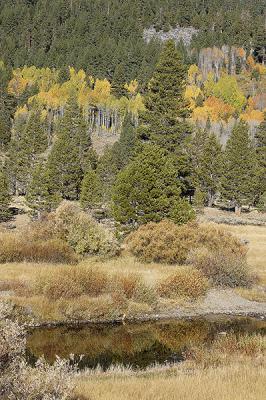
(138, 345)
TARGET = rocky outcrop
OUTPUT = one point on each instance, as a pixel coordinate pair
(177, 34)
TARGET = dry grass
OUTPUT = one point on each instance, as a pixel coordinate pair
(256, 256)
(18, 276)
(244, 381)
(256, 236)
(231, 368)
(92, 290)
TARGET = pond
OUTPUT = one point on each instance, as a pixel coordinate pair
(138, 345)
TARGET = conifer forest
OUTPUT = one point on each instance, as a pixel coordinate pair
(132, 189)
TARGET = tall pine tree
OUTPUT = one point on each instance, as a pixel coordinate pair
(68, 157)
(29, 141)
(260, 138)
(163, 123)
(39, 196)
(91, 190)
(4, 197)
(240, 170)
(207, 173)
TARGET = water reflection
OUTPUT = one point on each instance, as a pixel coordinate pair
(138, 345)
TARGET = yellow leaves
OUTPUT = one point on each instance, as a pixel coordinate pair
(252, 115)
(43, 115)
(25, 77)
(54, 98)
(227, 90)
(215, 109)
(21, 111)
(250, 62)
(241, 52)
(136, 105)
(191, 94)
(101, 93)
(17, 86)
(194, 74)
(77, 79)
(260, 68)
(209, 84)
(132, 87)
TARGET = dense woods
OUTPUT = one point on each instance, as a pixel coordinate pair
(95, 37)
(91, 112)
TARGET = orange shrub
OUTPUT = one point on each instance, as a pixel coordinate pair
(165, 242)
(17, 248)
(185, 282)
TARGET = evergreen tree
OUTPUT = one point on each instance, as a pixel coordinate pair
(239, 180)
(148, 190)
(68, 157)
(91, 190)
(107, 171)
(118, 81)
(39, 197)
(124, 149)
(208, 173)
(4, 197)
(260, 138)
(28, 142)
(5, 123)
(163, 122)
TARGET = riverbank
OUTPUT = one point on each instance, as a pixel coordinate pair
(137, 302)
(241, 381)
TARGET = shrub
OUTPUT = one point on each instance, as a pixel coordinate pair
(126, 283)
(165, 242)
(18, 247)
(72, 282)
(91, 308)
(185, 282)
(20, 381)
(59, 238)
(222, 267)
(83, 233)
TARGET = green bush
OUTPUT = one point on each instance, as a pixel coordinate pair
(185, 282)
(166, 242)
(222, 267)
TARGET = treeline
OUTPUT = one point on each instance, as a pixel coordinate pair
(106, 37)
(150, 173)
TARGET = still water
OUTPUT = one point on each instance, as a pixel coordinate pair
(138, 345)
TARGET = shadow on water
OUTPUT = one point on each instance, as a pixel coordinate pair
(138, 345)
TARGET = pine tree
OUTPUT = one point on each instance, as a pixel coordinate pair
(91, 190)
(124, 149)
(239, 180)
(5, 123)
(39, 196)
(4, 197)
(118, 81)
(107, 171)
(68, 157)
(29, 141)
(209, 171)
(148, 190)
(260, 138)
(163, 122)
